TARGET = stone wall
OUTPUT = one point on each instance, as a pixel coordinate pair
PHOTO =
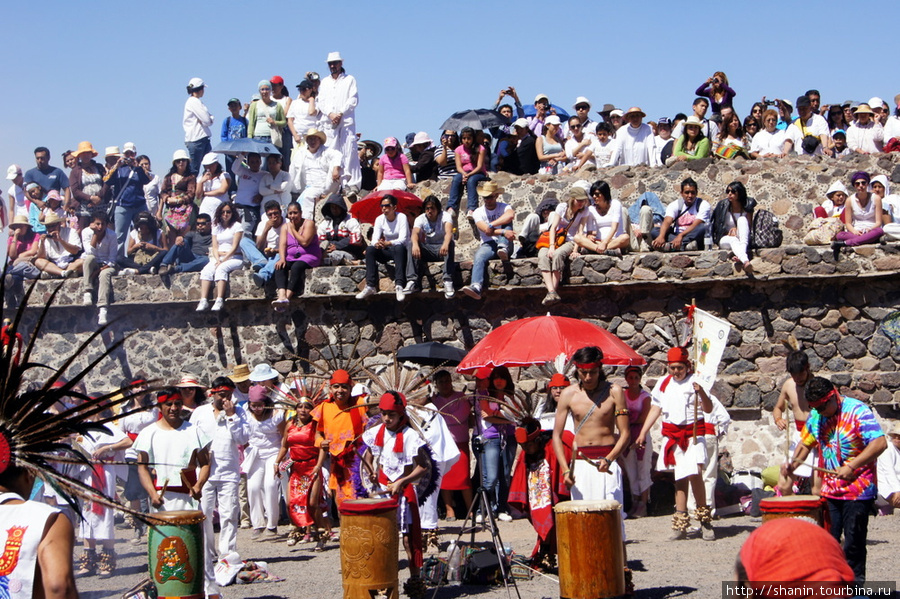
(834, 307)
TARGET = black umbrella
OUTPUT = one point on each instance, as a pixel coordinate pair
(476, 118)
(432, 353)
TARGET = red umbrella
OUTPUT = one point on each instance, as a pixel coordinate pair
(369, 208)
(541, 339)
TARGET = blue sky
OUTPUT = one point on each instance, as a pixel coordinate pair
(111, 72)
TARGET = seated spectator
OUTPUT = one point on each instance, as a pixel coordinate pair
(730, 141)
(809, 132)
(146, 247)
(578, 144)
(756, 112)
(835, 118)
(445, 156)
(274, 185)
(709, 128)
(785, 110)
(86, 179)
(663, 143)
(717, 90)
(770, 142)
(176, 197)
(751, 128)
(605, 230)
(834, 205)
(58, 249)
(392, 169)
(535, 223)
(212, 187)
(692, 145)
(52, 205)
(22, 249)
(604, 146)
(99, 243)
(340, 234)
(225, 256)
(189, 252)
(247, 169)
(731, 225)
(318, 174)
(634, 141)
(863, 216)
(648, 212)
(390, 239)
(549, 147)
(432, 241)
(892, 129)
(839, 138)
(567, 222)
(423, 167)
(527, 161)
(263, 254)
(471, 169)
(684, 225)
(890, 203)
(299, 250)
(865, 135)
(494, 223)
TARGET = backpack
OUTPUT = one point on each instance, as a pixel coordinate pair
(765, 232)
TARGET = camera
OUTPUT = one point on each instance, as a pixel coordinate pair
(478, 444)
(770, 103)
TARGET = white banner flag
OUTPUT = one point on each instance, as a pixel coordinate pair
(710, 337)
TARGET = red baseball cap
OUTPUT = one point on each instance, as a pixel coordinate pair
(277, 79)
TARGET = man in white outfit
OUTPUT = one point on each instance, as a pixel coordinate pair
(337, 101)
(634, 141)
(318, 172)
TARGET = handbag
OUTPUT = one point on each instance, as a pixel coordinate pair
(543, 240)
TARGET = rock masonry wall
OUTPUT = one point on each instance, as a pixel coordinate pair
(833, 307)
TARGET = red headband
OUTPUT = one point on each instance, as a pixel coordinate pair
(823, 400)
(165, 397)
(588, 365)
(219, 389)
(394, 402)
(523, 436)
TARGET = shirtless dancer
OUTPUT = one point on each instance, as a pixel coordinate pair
(793, 394)
(598, 408)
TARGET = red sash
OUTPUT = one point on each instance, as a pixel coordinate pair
(595, 452)
(678, 435)
(415, 525)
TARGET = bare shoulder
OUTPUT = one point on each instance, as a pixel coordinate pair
(618, 394)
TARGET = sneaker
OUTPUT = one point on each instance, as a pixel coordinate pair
(86, 299)
(479, 519)
(708, 532)
(449, 291)
(257, 532)
(690, 246)
(101, 317)
(270, 533)
(504, 517)
(217, 305)
(678, 535)
(410, 287)
(152, 270)
(128, 271)
(617, 253)
(472, 291)
(202, 305)
(367, 292)
(258, 280)
(401, 295)
(164, 269)
(69, 274)
(503, 254)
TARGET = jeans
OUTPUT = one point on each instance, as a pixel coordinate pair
(197, 150)
(471, 188)
(491, 464)
(256, 257)
(187, 260)
(698, 235)
(487, 251)
(123, 218)
(394, 252)
(432, 253)
(851, 518)
(249, 220)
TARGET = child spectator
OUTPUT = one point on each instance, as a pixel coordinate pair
(392, 169)
(52, 205)
(340, 234)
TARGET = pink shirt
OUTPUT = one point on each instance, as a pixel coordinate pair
(455, 410)
(393, 169)
(465, 159)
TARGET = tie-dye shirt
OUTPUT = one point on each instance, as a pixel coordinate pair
(841, 438)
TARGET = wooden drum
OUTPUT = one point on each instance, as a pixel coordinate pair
(175, 547)
(808, 507)
(369, 547)
(591, 549)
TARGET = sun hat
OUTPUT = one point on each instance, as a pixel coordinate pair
(616, 112)
(540, 97)
(20, 219)
(875, 101)
(129, 147)
(196, 83)
(313, 132)
(373, 145)
(334, 57)
(53, 195)
(581, 100)
(180, 155)
(836, 187)
(52, 219)
(576, 192)
(240, 373)
(635, 110)
(552, 120)
(84, 146)
(421, 138)
(864, 109)
(263, 372)
(188, 380)
(14, 171)
(523, 123)
(359, 390)
(112, 151)
(210, 158)
(391, 142)
(488, 188)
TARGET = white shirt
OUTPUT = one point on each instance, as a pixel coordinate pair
(677, 401)
(891, 130)
(603, 152)
(276, 188)
(272, 235)
(170, 450)
(225, 237)
(395, 232)
(299, 111)
(151, 193)
(135, 423)
(582, 219)
(699, 210)
(210, 204)
(264, 436)
(55, 251)
(17, 194)
(433, 232)
(315, 169)
(889, 471)
(868, 138)
(602, 224)
(768, 144)
(816, 125)
(226, 433)
(393, 464)
(635, 146)
(483, 215)
(196, 120)
(339, 95)
(247, 183)
(106, 251)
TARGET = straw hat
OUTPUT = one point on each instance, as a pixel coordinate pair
(52, 219)
(488, 188)
(83, 147)
(189, 380)
(634, 110)
(240, 373)
(20, 220)
(313, 132)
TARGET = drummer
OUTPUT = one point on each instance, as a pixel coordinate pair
(396, 458)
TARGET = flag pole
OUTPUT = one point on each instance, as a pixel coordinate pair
(694, 364)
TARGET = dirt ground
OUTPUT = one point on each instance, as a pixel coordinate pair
(661, 568)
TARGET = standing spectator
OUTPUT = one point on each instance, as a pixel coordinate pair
(298, 248)
(266, 119)
(303, 115)
(390, 241)
(189, 252)
(212, 186)
(566, 221)
(16, 192)
(471, 169)
(263, 254)
(717, 90)
(233, 127)
(542, 111)
(318, 172)
(709, 128)
(494, 223)
(124, 186)
(99, 243)
(507, 111)
(86, 180)
(851, 441)
(338, 99)
(196, 122)
(274, 185)
(58, 249)
(176, 197)
(247, 200)
(634, 141)
(889, 472)
(48, 177)
(392, 169)
(865, 135)
(265, 424)
(340, 234)
(225, 256)
(494, 428)
(457, 410)
(432, 241)
(151, 189)
(637, 462)
(281, 95)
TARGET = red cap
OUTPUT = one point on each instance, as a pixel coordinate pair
(678, 354)
(558, 380)
(340, 377)
(392, 401)
(484, 372)
(277, 79)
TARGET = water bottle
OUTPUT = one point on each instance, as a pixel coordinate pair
(453, 573)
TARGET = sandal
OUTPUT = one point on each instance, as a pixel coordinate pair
(87, 564)
(320, 546)
(106, 564)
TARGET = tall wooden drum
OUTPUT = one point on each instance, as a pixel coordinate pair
(176, 554)
(808, 507)
(591, 550)
(369, 547)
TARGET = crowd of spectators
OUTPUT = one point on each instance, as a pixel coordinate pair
(94, 220)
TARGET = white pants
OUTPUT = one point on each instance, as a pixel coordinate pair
(225, 495)
(392, 184)
(686, 461)
(710, 473)
(220, 272)
(428, 512)
(593, 485)
(263, 493)
(307, 201)
(343, 139)
(638, 471)
(738, 245)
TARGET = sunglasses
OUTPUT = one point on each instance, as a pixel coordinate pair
(386, 205)
(575, 126)
(860, 182)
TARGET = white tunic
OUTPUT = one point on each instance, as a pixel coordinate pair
(24, 524)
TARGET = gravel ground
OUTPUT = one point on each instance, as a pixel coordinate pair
(661, 568)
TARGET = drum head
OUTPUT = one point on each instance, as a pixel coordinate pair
(374, 505)
(601, 505)
(179, 516)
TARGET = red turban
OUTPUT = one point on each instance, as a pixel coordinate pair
(340, 377)
(678, 354)
(395, 402)
(558, 380)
